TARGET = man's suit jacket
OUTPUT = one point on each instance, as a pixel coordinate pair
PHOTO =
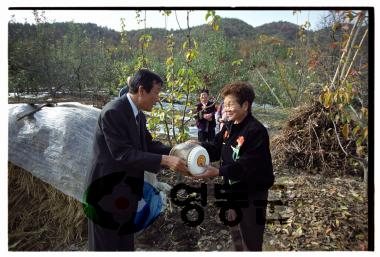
(120, 147)
(125, 151)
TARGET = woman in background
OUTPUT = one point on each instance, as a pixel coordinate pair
(220, 116)
(205, 117)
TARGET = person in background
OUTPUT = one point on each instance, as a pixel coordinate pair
(242, 146)
(205, 117)
(125, 89)
(220, 116)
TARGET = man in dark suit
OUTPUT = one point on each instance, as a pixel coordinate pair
(123, 149)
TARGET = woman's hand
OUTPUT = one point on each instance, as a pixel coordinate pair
(209, 172)
(192, 141)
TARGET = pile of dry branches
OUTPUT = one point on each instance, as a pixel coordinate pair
(309, 141)
(40, 217)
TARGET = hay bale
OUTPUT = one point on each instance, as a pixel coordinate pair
(41, 217)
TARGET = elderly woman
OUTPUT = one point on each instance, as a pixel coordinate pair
(242, 147)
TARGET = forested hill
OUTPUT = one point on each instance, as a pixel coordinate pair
(282, 29)
(58, 30)
(232, 28)
(75, 58)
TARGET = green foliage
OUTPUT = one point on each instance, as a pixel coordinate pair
(343, 97)
(182, 84)
(45, 59)
(215, 61)
(214, 21)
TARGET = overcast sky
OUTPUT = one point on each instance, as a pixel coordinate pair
(155, 19)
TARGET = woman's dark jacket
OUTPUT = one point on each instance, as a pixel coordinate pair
(253, 166)
(202, 123)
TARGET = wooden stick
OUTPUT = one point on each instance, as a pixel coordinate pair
(271, 90)
(342, 56)
(356, 53)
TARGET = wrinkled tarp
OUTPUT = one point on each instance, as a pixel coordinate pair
(55, 144)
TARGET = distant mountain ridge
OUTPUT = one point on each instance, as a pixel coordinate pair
(233, 28)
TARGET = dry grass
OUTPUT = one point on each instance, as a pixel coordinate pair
(40, 217)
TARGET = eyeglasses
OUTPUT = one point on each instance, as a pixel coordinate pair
(231, 106)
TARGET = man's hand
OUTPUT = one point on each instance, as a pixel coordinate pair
(208, 116)
(209, 172)
(176, 164)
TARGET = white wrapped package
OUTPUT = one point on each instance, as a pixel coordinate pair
(195, 155)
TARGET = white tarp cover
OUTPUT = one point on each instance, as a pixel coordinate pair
(54, 144)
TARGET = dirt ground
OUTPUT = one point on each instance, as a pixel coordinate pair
(323, 214)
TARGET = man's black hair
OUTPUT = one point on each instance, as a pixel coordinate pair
(145, 78)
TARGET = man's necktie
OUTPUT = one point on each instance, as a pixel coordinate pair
(138, 121)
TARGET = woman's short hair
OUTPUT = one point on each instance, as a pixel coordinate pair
(242, 91)
(204, 90)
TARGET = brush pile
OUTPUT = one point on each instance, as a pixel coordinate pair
(309, 142)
